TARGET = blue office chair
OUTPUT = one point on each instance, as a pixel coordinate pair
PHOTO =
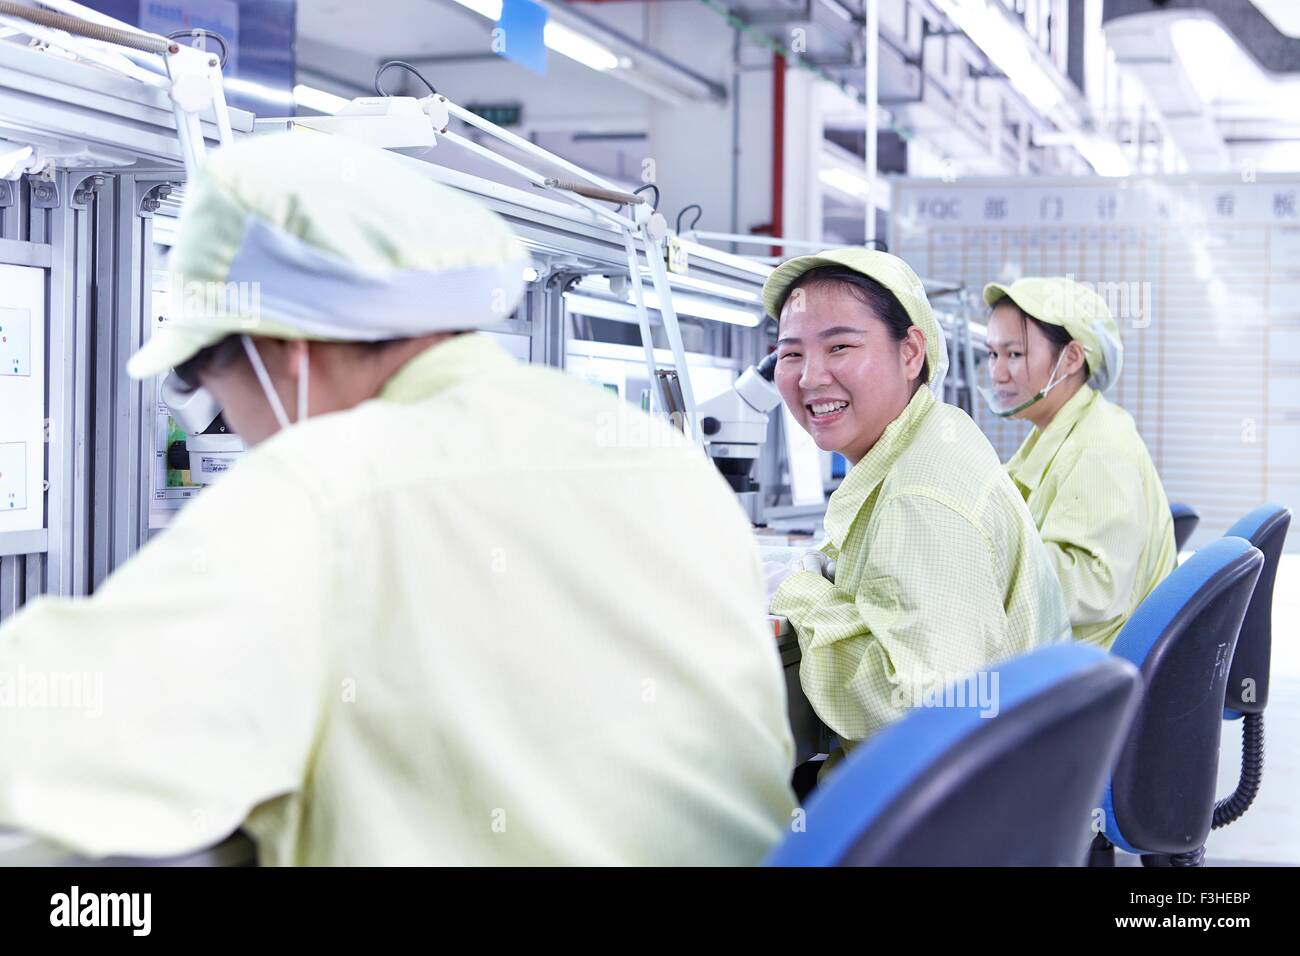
(1160, 799)
(946, 786)
(1185, 521)
(1247, 689)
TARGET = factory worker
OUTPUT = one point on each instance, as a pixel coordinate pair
(1084, 470)
(451, 609)
(937, 568)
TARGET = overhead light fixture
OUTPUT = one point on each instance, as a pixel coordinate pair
(1008, 47)
(701, 308)
(845, 181)
(1283, 14)
(556, 36)
(318, 100)
(488, 8)
(714, 288)
(1103, 155)
(577, 47)
(259, 90)
(1199, 41)
(622, 309)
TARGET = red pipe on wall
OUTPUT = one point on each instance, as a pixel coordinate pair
(778, 147)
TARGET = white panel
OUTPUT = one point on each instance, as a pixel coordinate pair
(805, 462)
(13, 476)
(22, 398)
(1284, 446)
(1284, 345)
(15, 341)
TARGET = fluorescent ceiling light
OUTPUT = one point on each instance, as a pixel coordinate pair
(318, 100)
(556, 36)
(1284, 14)
(599, 308)
(716, 288)
(575, 46)
(1104, 155)
(622, 310)
(844, 181)
(488, 8)
(704, 309)
(251, 88)
(1008, 47)
(1215, 64)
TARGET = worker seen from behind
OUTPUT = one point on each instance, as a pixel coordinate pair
(448, 610)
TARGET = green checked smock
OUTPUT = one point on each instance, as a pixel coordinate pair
(1101, 511)
(939, 572)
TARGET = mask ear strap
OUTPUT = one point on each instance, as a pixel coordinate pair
(1052, 381)
(254, 359)
(304, 368)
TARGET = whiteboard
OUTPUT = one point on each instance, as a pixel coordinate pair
(1203, 274)
(22, 398)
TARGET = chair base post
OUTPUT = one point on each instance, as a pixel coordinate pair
(1193, 858)
(1190, 858)
(1101, 852)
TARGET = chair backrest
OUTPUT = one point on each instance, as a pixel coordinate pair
(1010, 778)
(1161, 795)
(1247, 690)
(1185, 521)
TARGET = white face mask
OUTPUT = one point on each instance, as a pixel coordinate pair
(268, 388)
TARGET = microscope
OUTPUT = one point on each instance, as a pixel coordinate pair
(734, 427)
(210, 448)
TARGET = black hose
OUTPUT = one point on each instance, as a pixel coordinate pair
(385, 67)
(642, 189)
(1252, 772)
(699, 211)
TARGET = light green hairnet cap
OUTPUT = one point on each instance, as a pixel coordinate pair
(310, 236)
(1079, 310)
(891, 272)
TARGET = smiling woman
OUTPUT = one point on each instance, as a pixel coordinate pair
(937, 565)
(849, 358)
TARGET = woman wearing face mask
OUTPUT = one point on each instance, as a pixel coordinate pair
(1084, 470)
(938, 570)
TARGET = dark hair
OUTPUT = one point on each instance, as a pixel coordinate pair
(1057, 337)
(883, 304)
(217, 356)
(221, 355)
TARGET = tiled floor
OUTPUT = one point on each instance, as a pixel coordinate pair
(1269, 832)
